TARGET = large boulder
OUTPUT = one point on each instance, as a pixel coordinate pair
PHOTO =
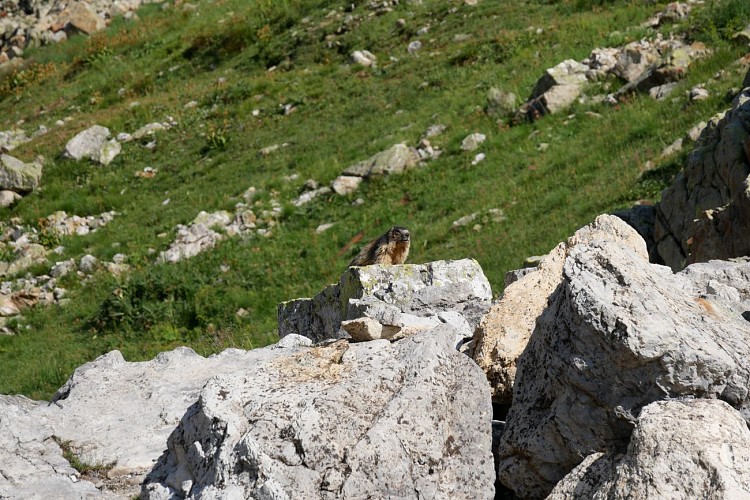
(679, 449)
(18, 176)
(705, 213)
(503, 333)
(410, 419)
(401, 299)
(617, 334)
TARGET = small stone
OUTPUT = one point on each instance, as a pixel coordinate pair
(478, 158)
(673, 148)
(324, 227)
(119, 258)
(88, 264)
(364, 57)
(363, 329)
(472, 141)
(698, 94)
(62, 268)
(414, 47)
(464, 221)
(346, 184)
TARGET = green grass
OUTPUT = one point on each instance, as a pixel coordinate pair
(344, 113)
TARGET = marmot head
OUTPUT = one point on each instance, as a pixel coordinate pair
(398, 234)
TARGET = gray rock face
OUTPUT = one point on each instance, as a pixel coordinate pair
(94, 145)
(705, 213)
(403, 299)
(99, 410)
(32, 464)
(504, 332)
(679, 449)
(393, 160)
(410, 419)
(18, 176)
(619, 333)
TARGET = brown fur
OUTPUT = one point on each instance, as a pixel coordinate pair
(392, 247)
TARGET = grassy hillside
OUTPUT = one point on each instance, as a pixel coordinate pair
(237, 56)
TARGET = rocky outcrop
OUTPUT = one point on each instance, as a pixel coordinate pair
(705, 213)
(400, 300)
(617, 334)
(409, 419)
(503, 333)
(642, 65)
(679, 449)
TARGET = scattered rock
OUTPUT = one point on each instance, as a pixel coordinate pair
(414, 47)
(62, 224)
(394, 160)
(364, 57)
(270, 149)
(88, 264)
(698, 93)
(92, 143)
(207, 229)
(661, 92)
(63, 268)
(500, 102)
(80, 17)
(433, 131)
(149, 130)
(478, 158)
(673, 12)
(346, 184)
(643, 64)
(11, 139)
(190, 241)
(309, 196)
(8, 198)
(324, 227)
(673, 148)
(18, 176)
(472, 141)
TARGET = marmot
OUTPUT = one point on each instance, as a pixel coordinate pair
(389, 248)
